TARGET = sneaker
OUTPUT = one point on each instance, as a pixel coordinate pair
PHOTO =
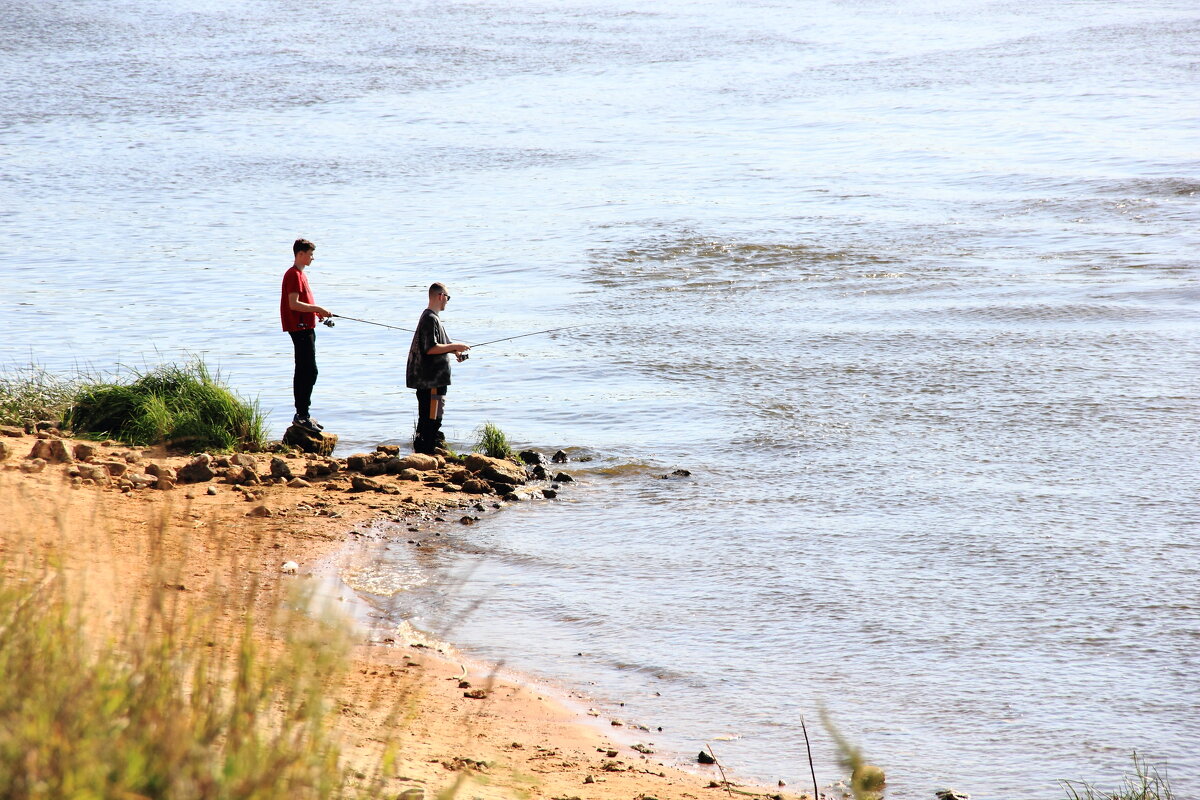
(308, 423)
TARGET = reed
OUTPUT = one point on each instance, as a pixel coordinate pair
(1146, 783)
(182, 406)
(30, 394)
(491, 441)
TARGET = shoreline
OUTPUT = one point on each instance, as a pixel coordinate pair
(490, 732)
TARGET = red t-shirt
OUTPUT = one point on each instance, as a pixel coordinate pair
(294, 280)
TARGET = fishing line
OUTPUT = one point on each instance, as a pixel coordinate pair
(328, 322)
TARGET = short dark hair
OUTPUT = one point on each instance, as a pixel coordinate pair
(302, 246)
(437, 288)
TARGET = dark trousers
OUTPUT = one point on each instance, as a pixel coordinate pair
(305, 377)
(431, 403)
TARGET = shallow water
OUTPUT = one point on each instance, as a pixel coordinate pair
(911, 290)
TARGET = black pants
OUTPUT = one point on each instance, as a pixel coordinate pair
(305, 376)
(431, 403)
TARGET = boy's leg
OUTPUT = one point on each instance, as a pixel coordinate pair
(305, 376)
(430, 405)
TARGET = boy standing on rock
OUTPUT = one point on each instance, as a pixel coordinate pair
(429, 370)
(299, 316)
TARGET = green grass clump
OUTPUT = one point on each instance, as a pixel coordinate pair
(1145, 784)
(491, 441)
(181, 406)
(32, 394)
(161, 713)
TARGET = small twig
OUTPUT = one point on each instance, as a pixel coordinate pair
(720, 769)
(811, 769)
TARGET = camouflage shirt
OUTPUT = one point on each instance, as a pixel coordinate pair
(426, 371)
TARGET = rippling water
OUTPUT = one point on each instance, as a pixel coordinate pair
(911, 289)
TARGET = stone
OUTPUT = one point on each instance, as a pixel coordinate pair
(261, 511)
(563, 477)
(33, 465)
(244, 460)
(212, 490)
(141, 480)
(549, 494)
(281, 469)
(539, 473)
(198, 470)
(357, 462)
(420, 462)
(458, 476)
(298, 483)
(495, 469)
(164, 482)
(289, 568)
(97, 473)
(559, 458)
(361, 483)
(408, 475)
(12, 431)
(705, 758)
(373, 468)
(319, 443)
(951, 794)
(41, 449)
(235, 475)
(115, 468)
(84, 451)
(322, 467)
(532, 457)
(682, 473)
(476, 486)
(388, 449)
(5, 451)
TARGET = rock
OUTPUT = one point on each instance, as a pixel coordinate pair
(705, 758)
(298, 483)
(212, 490)
(357, 462)
(33, 465)
(682, 473)
(289, 568)
(951, 794)
(361, 483)
(322, 467)
(559, 458)
(309, 442)
(235, 475)
(563, 477)
(532, 457)
(388, 449)
(244, 460)
(409, 475)
(84, 451)
(115, 468)
(198, 470)
(12, 431)
(261, 511)
(141, 480)
(5, 451)
(53, 451)
(539, 473)
(420, 462)
(476, 486)
(164, 482)
(495, 469)
(281, 469)
(549, 494)
(97, 473)
(373, 468)
(459, 477)
(154, 469)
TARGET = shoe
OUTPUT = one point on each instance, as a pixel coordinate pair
(308, 423)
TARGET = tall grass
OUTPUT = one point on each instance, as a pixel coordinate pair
(160, 712)
(31, 394)
(1145, 784)
(183, 406)
(491, 441)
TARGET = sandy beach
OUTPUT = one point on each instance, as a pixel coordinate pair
(458, 724)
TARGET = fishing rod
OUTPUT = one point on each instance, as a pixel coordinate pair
(460, 356)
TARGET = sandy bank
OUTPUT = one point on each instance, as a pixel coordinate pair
(511, 741)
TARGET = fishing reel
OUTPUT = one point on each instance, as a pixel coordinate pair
(327, 322)
(461, 357)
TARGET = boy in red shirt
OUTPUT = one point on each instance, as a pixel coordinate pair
(299, 315)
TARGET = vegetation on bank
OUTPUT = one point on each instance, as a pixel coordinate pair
(1146, 783)
(182, 406)
(169, 709)
(491, 441)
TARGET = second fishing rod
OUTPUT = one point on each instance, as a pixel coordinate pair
(328, 322)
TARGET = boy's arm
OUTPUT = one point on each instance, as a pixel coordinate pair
(295, 304)
(449, 347)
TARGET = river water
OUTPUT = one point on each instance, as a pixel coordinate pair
(910, 288)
